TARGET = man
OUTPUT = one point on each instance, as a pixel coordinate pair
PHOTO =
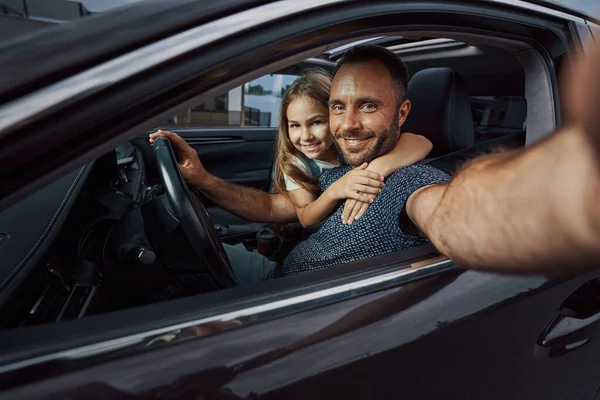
(367, 109)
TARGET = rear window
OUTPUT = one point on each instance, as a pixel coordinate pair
(495, 116)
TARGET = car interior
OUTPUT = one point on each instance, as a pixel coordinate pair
(117, 238)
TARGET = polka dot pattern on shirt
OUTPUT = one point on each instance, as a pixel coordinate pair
(377, 232)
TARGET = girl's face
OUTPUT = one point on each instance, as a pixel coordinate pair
(308, 127)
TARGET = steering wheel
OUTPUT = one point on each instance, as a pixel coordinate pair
(193, 217)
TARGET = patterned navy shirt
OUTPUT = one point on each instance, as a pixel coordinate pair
(375, 233)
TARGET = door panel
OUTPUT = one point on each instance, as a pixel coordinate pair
(456, 335)
(239, 155)
(490, 354)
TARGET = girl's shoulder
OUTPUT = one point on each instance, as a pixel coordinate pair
(324, 165)
(312, 169)
(305, 167)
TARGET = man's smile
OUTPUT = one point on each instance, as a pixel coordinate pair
(356, 143)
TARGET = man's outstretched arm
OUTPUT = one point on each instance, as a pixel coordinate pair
(249, 203)
(529, 211)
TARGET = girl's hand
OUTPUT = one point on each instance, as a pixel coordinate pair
(353, 210)
(356, 184)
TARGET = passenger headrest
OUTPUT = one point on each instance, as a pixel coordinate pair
(440, 110)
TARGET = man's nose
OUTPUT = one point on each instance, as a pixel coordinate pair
(351, 121)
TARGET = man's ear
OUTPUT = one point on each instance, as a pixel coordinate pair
(403, 112)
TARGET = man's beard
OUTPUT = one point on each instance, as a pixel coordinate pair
(384, 143)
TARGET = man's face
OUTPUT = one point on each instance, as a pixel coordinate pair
(364, 114)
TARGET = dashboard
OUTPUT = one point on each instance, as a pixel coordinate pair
(78, 246)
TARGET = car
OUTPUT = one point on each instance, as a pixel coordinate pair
(94, 221)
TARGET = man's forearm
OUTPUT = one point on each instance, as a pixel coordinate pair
(528, 211)
(249, 203)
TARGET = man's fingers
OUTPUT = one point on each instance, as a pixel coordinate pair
(581, 92)
(177, 141)
(160, 133)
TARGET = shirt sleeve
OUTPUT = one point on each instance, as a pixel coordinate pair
(427, 175)
(414, 177)
(290, 184)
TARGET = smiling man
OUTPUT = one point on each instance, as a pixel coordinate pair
(367, 107)
(366, 113)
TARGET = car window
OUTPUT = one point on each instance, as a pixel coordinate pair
(495, 116)
(254, 104)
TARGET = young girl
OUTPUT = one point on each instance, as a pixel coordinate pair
(305, 149)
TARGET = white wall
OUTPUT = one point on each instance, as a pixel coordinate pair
(234, 103)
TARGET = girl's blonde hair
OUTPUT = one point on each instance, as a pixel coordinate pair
(316, 85)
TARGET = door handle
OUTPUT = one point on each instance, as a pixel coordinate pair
(574, 324)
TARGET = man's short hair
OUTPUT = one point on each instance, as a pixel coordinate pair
(393, 63)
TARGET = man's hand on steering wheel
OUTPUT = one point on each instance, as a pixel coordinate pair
(190, 165)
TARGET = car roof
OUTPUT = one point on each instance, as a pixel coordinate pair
(99, 38)
(585, 8)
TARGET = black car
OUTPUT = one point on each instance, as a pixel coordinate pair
(86, 232)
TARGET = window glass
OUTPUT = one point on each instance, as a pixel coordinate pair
(254, 104)
(495, 116)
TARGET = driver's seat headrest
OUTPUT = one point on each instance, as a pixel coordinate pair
(440, 110)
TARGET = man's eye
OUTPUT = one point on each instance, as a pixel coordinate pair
(369, 107)
(337, 108)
